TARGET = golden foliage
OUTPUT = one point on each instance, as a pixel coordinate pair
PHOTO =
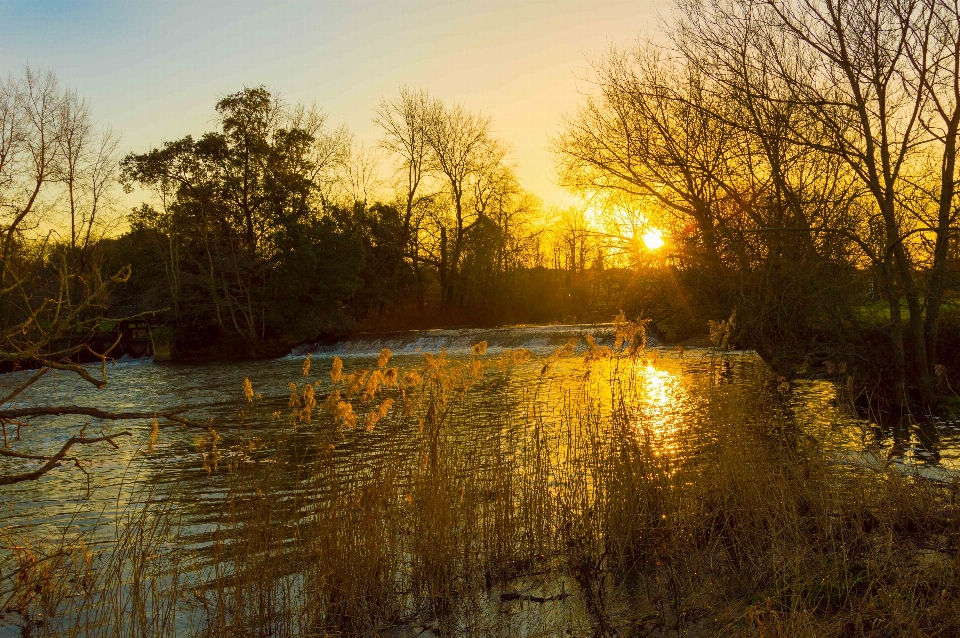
(154, 434)
(294, 401)
(595, 352)
(513, 358)
(411, 378)
(333, 399)
(632, 334)
(390, 378)
(344, 415)
(410, 405)
(720, 332)
(374, 417)
(566, 350)
(354, 382)
(373, 384)
(309, 403)
(336, 370)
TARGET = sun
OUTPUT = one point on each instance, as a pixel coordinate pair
(653, 238)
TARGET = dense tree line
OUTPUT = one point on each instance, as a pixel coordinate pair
(275, 227)
(236, 225)
(796, 149)
(801, 157)
(272, 230)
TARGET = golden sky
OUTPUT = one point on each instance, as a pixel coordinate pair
(153, 71)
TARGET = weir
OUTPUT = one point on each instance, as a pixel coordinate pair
(538, 339)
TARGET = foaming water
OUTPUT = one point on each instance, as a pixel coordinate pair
(537, 339)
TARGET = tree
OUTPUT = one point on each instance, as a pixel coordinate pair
(465, 215)
(87, 164)
(793, 143)
(404, 123)
(462, 149)
(47, 321)
(236, 206)
(880, 79)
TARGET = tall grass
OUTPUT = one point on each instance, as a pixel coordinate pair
(566, 513)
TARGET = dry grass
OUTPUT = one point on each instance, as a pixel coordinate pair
(562, 515)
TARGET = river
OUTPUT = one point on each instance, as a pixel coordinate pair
(680, 394)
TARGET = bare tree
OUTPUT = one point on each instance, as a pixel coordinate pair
(649, 134)
(30, 152)
(820, 133)
(458, 191)
(404, 122)
(359, 175)
(87, 170)
(461, 145)
(329, 150)
(47, 146)
(882, 84)
(934, 53)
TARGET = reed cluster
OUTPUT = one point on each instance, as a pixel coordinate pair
(388, 508)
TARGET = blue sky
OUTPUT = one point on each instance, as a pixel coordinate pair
(153, 71)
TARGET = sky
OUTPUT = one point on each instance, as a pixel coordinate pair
(154, 70)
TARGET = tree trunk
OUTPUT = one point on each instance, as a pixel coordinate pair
(896, 337)
(443, 267)
(935, 284)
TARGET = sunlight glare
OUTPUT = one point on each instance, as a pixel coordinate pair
(660, 408)
(653, 238)
(659, 386)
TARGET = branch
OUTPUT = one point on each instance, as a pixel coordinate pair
(96, 413)
(72, 367)
(54, 461)
(21, 455)
(24, 386)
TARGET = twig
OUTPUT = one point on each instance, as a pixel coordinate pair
(97, 413)
(24, 386)
(54, 461)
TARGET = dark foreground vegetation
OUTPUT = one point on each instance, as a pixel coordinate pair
(565, 518)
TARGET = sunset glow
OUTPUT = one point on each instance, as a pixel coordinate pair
(653, 239)
(490, 301)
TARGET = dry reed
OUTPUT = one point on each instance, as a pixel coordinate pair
(564, 513)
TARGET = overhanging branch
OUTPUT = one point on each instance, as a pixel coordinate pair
(96, 413)
(54, 461)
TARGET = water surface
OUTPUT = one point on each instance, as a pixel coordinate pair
(682, 396)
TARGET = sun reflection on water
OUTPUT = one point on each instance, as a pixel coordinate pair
(660, 406)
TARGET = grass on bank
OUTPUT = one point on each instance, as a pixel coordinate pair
(565, 515)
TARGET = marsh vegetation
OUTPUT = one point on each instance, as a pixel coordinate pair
(603, 488)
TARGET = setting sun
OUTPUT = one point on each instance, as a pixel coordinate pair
(653, 238)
